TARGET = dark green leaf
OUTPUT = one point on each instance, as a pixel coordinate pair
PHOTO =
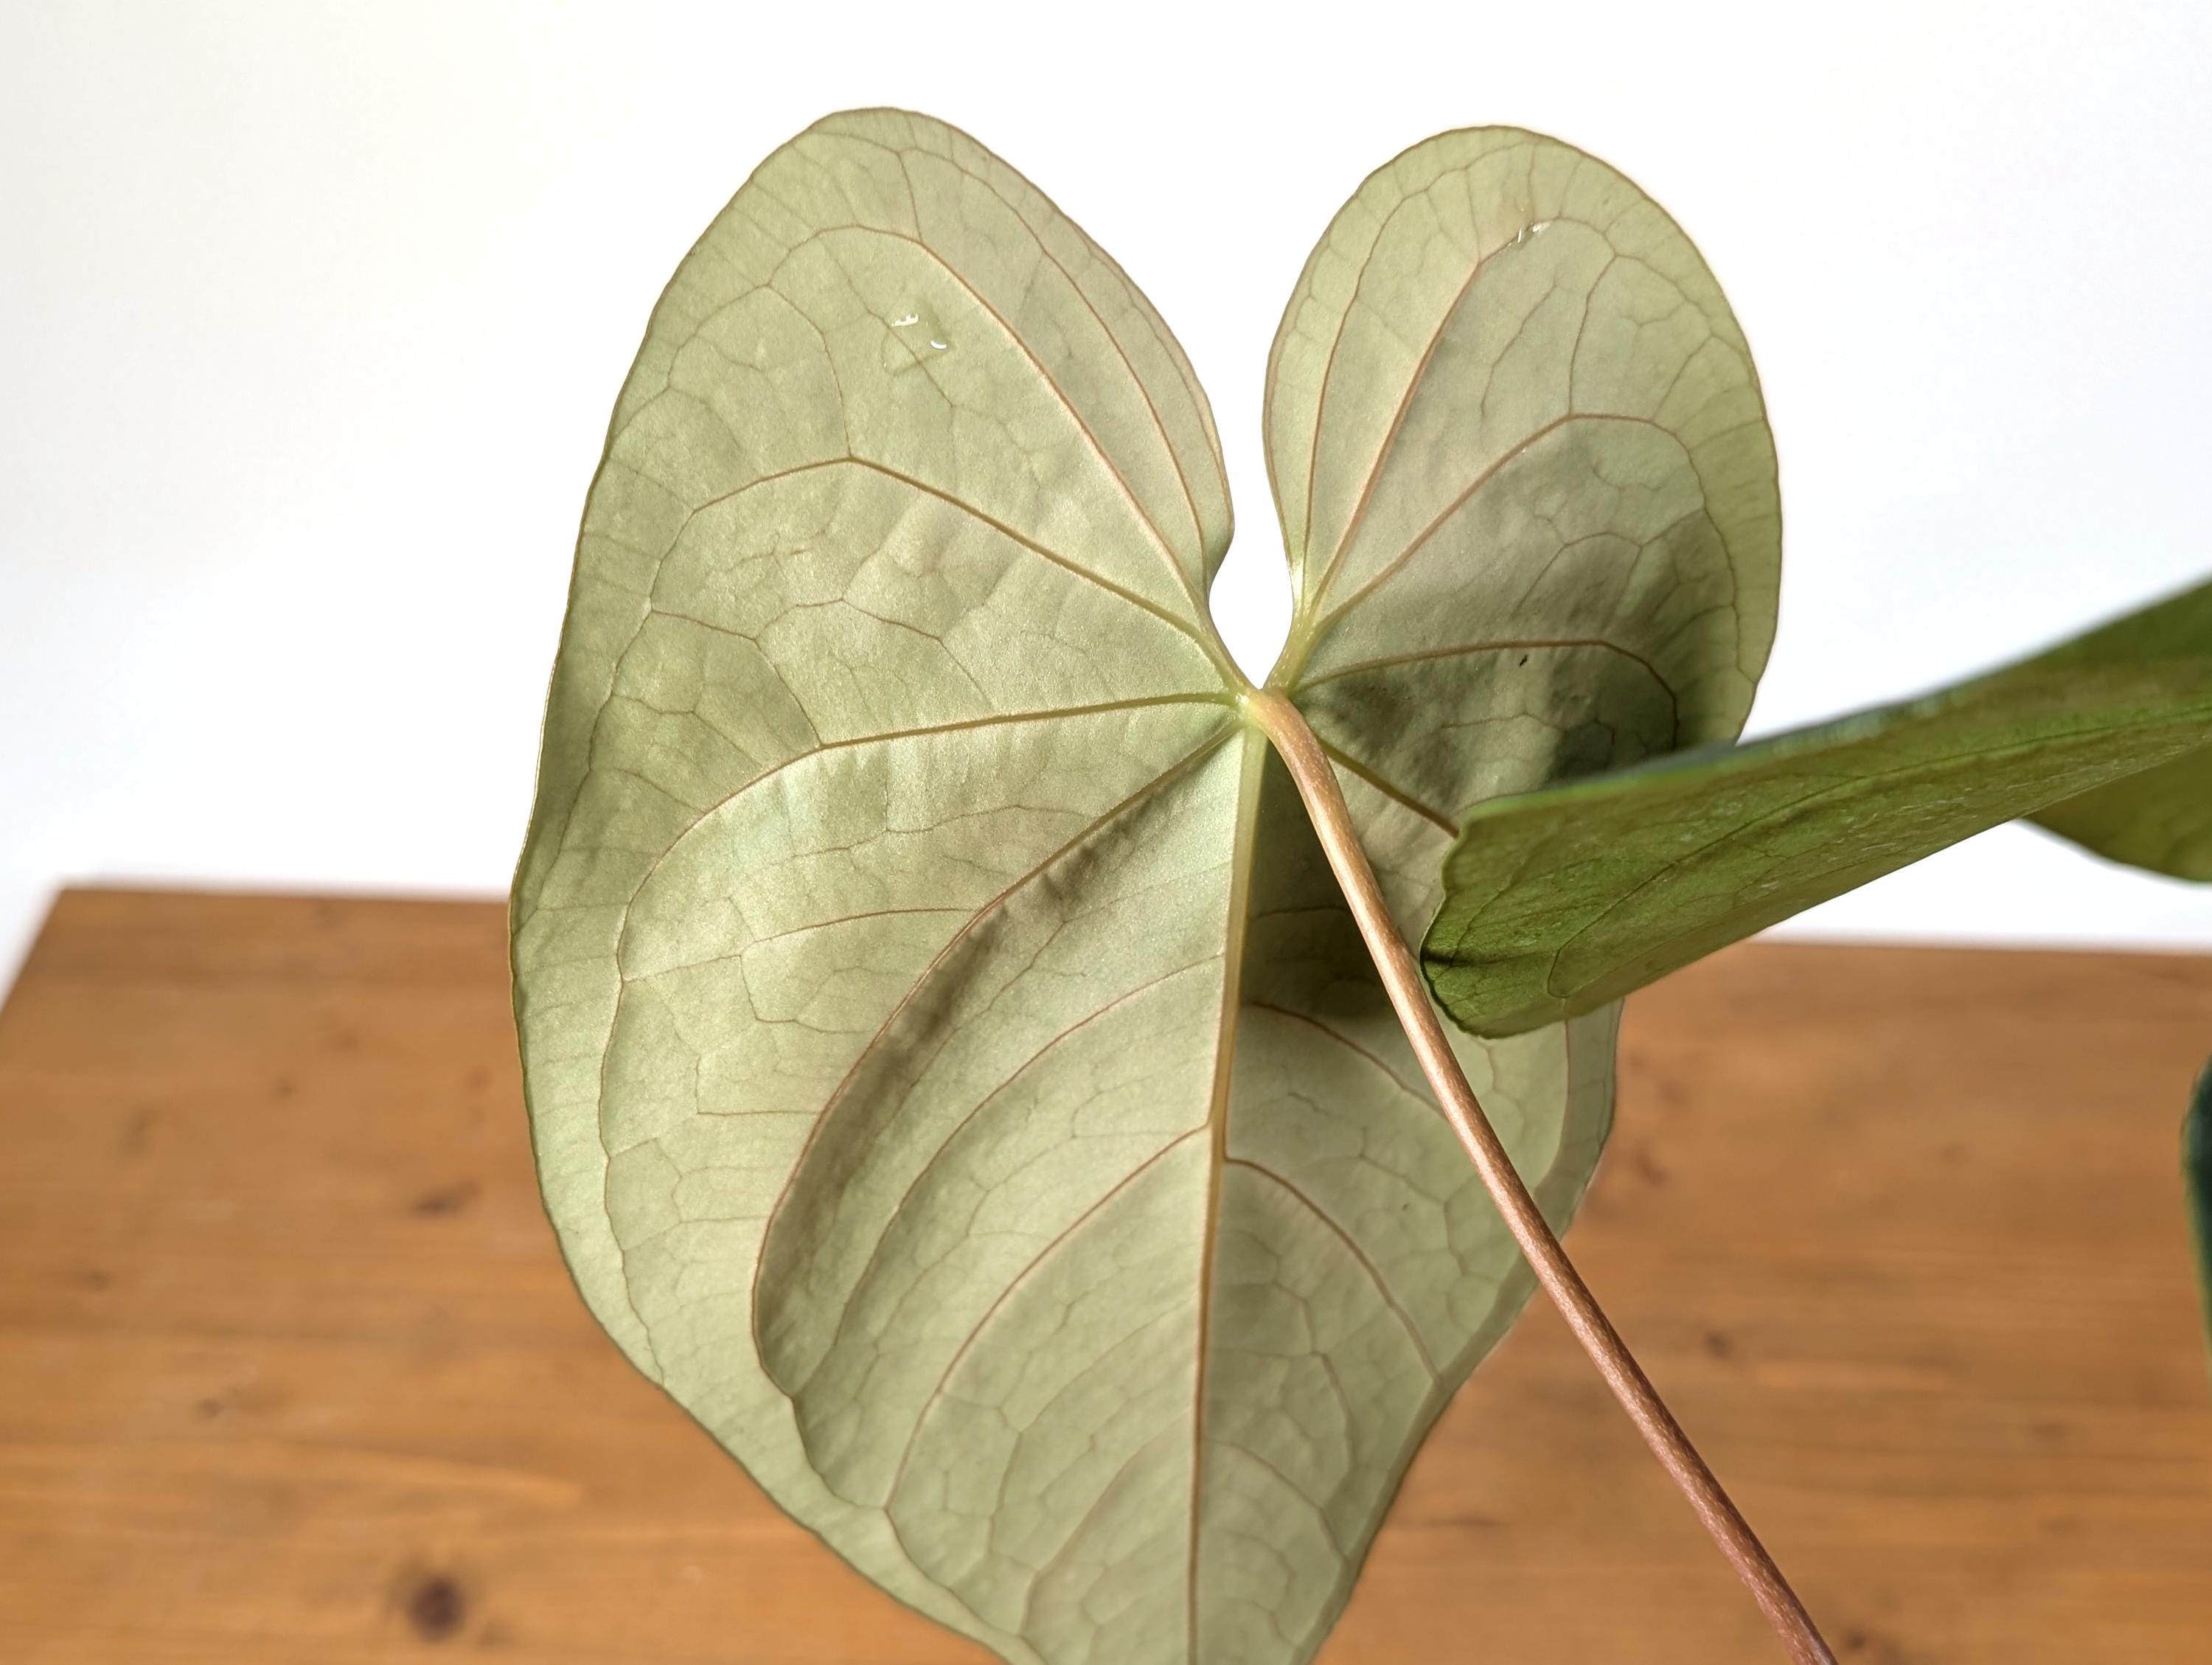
(2160, 819)
(1562, 900)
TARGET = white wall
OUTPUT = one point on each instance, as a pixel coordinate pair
(311, 316)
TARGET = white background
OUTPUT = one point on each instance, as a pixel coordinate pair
(311, 316)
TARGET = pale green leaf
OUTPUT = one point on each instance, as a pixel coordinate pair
(955, 1076)
(1565, 899)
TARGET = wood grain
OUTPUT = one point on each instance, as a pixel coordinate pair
(289, 1369)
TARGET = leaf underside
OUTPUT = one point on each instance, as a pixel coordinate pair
(954, 1074)
(1566, 899)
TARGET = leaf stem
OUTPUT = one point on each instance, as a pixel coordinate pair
(1309, 765)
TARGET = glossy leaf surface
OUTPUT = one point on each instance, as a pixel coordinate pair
(1563, 900)
(955, 1076)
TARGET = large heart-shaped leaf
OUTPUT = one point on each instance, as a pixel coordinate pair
(955, 1076)
(1563, 900)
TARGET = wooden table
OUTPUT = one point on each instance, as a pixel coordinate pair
(289, 1369)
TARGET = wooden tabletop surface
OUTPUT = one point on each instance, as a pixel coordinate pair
(289, 1369)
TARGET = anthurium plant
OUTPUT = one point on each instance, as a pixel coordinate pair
(976, 1058)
